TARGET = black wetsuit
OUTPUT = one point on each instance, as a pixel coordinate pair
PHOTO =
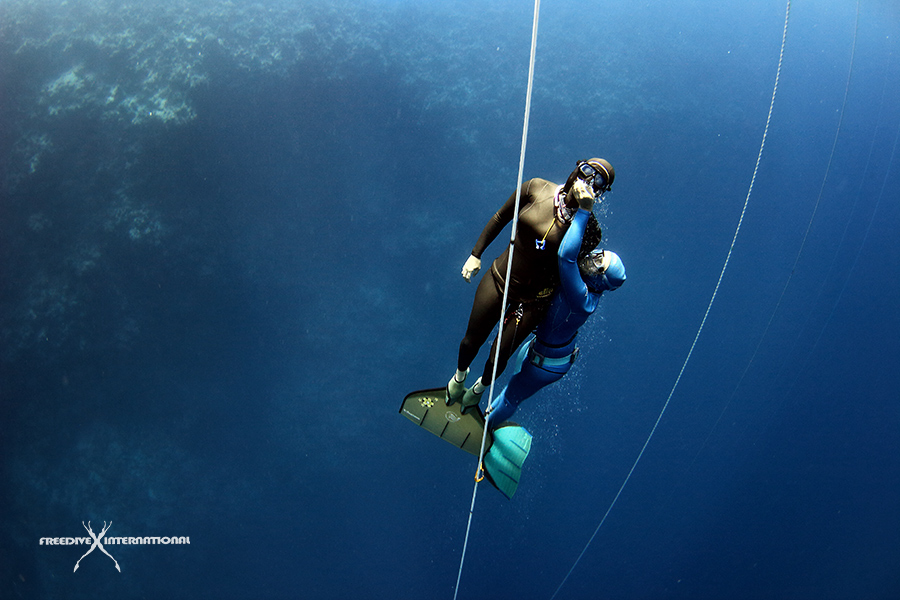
(534, 276)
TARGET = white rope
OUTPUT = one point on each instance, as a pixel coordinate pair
(512, 240)
(800, 251)
(815, 210)
(705, 315)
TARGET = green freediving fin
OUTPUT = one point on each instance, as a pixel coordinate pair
(503, 464)
(429, 410)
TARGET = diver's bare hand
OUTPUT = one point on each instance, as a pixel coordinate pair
(583, 195)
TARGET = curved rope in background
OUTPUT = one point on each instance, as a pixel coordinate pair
(802, 244)
(705, 315)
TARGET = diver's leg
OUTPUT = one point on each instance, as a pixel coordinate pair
(520, 320)
(503, 406)
(523, 385)
(515, 331)
(532, 379)
(485, 314)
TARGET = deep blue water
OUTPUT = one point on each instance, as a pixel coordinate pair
(231, 238)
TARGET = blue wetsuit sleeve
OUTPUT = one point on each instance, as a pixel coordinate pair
(573, 287)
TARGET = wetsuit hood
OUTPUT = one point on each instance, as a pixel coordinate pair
(602, 270)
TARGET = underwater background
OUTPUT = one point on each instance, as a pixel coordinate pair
(231, 236)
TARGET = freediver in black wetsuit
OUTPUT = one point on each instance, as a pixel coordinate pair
(545, 212)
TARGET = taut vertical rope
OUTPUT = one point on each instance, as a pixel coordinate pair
(512, 240)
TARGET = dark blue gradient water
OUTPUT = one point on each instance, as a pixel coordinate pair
(231, 237)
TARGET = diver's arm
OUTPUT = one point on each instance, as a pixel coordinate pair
(493, 228)
(500, 219)
(573, 287)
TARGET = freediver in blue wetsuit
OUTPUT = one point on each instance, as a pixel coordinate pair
(552, 351)
(545, 213)
(546, 289)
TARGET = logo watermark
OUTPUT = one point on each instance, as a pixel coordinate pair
(96, 544)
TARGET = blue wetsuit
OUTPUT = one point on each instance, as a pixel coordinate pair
(552, 352)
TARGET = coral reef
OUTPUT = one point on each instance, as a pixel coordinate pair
(117, 77)
(138, 62)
